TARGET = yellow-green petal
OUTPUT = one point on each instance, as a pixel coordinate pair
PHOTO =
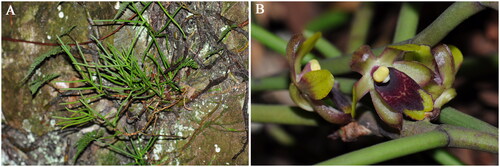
(394, 119)
(316, 84)
(426, 102)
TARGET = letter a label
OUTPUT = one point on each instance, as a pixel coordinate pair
(10, 11)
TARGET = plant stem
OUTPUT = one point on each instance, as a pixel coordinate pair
(441, 136)
(445, 158)
(338, 65)
(407, 22)
(323, 46)
(280, 135)
(268, 39)
(272, 41)
(328, 21)
(461, 137)
(284, 115)
(281, 113)
(447, 21)
(390, 149)
(281, 82)
(452, 116)
(360, 27)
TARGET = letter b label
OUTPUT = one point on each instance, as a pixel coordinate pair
(259, 8)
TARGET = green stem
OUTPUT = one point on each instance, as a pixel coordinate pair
(284, 115)
(281, 135)
(441, 136)
(360, 27)
(391, 149)
(171, 19)
(270, 83)
(324, 47)
(329, 20)
(407, 22)
(445, 158)
(272, 41)
(268, 39)
(283, 82)
(447, 21)
(461, 137)
(338, 65)
(452, 116)
(458, 136)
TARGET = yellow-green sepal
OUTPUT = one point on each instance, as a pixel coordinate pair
(458, 58)
(420, 53)
(299, 99)
(445, 97)
(304, 48)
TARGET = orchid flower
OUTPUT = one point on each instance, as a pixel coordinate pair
(312, 84)
(406, 79)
